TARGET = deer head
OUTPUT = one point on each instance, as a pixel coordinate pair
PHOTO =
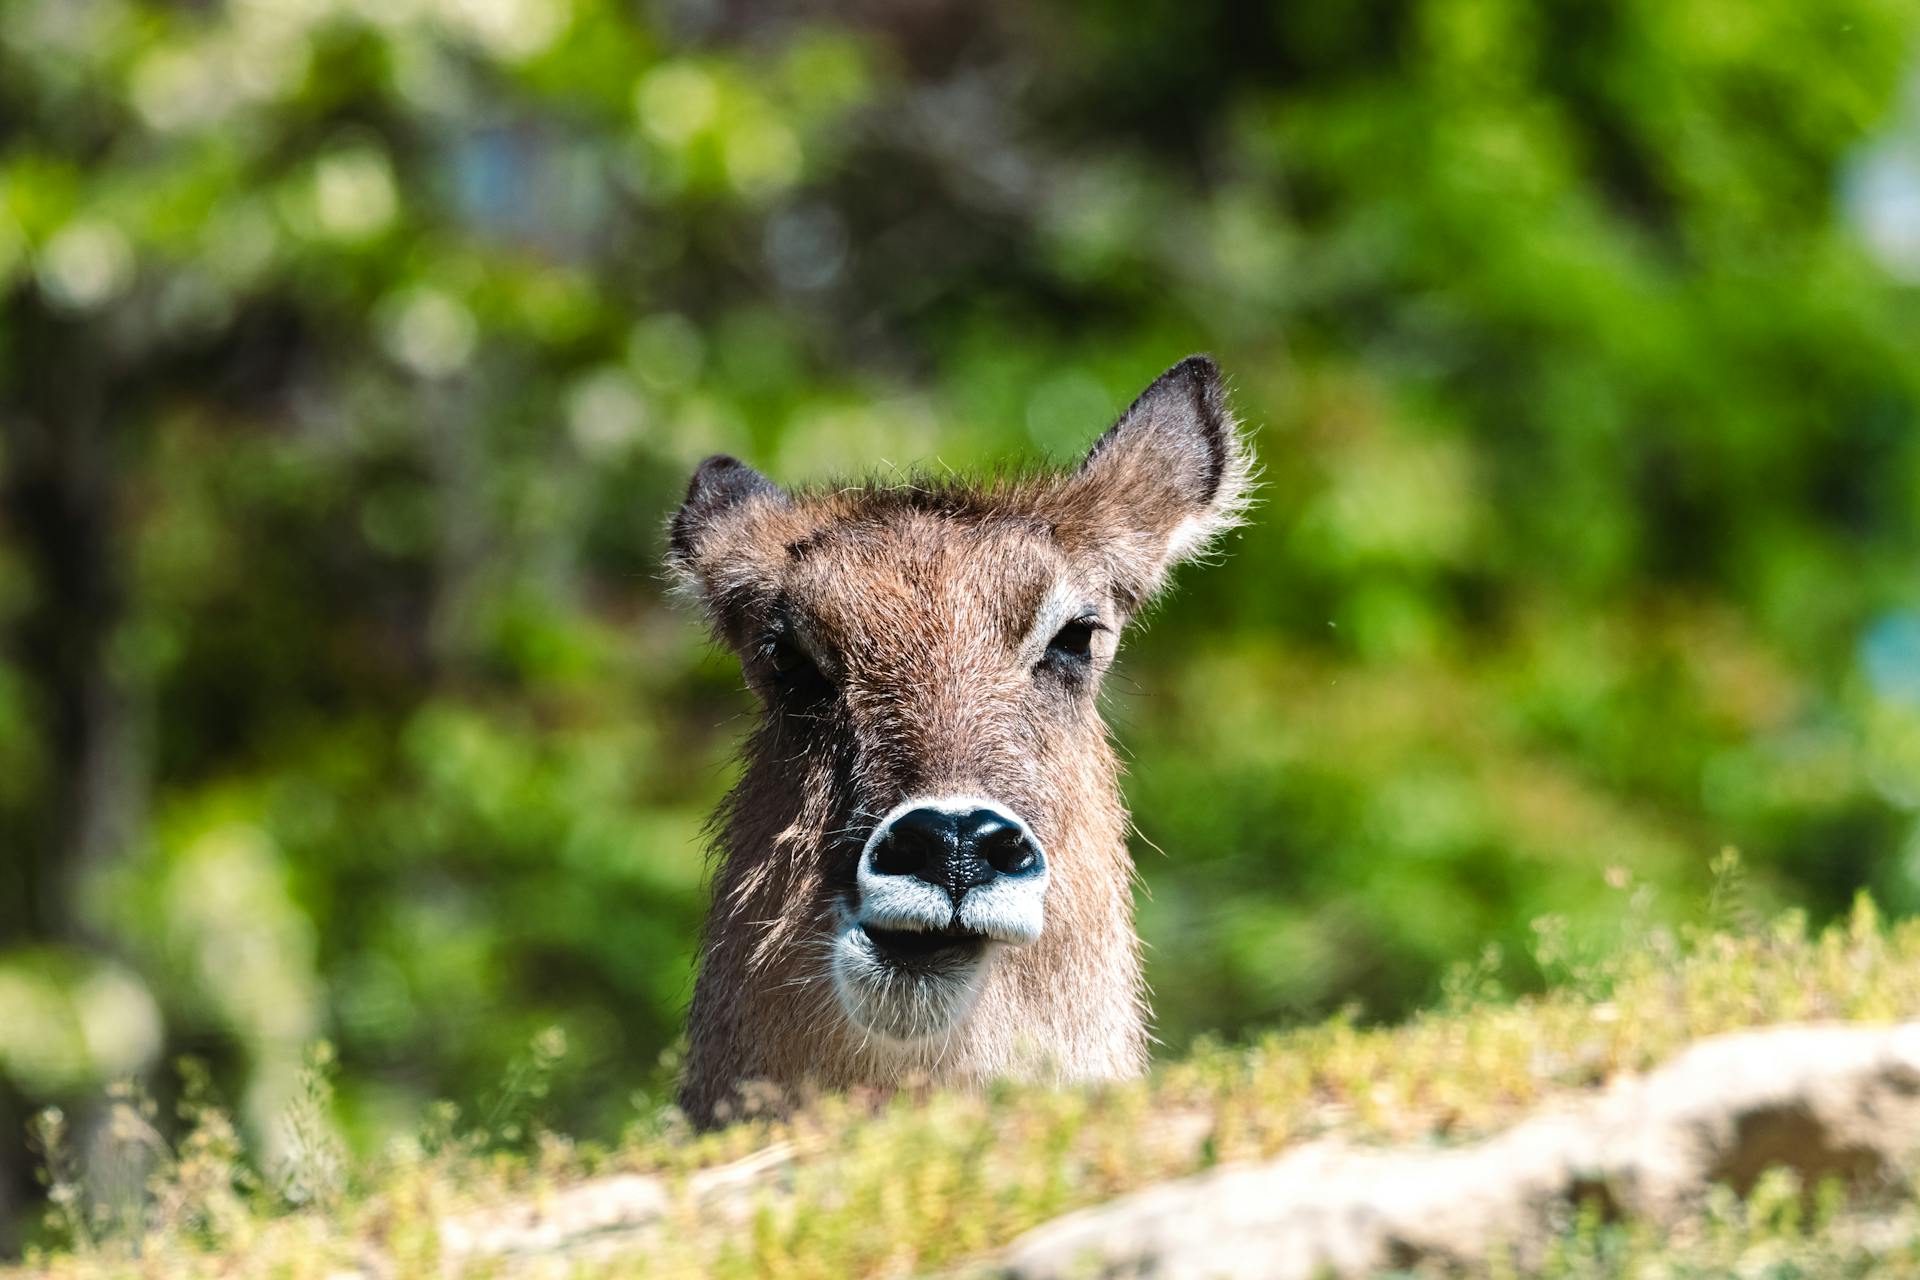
(924, 864)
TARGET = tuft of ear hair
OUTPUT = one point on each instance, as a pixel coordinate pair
(1164, 482)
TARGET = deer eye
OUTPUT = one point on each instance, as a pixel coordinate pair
(796, 677)
(1071, 648)
(786, 659)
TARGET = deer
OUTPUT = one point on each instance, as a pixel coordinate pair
(922, 873)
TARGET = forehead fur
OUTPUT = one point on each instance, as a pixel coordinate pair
(1157, 488)
(1019, 494)
(884, 536)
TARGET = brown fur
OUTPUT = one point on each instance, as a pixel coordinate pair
(917, 604)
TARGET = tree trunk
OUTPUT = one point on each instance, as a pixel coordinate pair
(59, 499)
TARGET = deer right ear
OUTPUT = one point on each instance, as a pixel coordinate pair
(713, 520)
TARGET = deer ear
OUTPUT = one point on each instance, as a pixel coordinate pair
(708, 523)
(1165, 481)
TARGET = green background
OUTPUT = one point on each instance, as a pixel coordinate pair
(354, 352)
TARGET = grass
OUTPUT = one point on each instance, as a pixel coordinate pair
(936, 1183)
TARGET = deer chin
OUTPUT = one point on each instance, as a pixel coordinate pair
(909, 985)
(908, 968)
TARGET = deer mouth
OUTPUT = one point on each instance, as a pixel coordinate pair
(909, 947)
(903, 984)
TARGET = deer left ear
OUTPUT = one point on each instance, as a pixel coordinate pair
(1164, 482)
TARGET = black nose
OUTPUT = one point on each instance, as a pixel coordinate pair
(956, 851)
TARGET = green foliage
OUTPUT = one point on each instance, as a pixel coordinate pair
(353, 354)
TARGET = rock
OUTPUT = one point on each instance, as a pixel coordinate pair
(1823, 1101)
(602, 1217)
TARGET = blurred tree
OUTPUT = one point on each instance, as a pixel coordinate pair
(352, 355)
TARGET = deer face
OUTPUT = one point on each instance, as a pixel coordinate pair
(927, 658)
(950, 664)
